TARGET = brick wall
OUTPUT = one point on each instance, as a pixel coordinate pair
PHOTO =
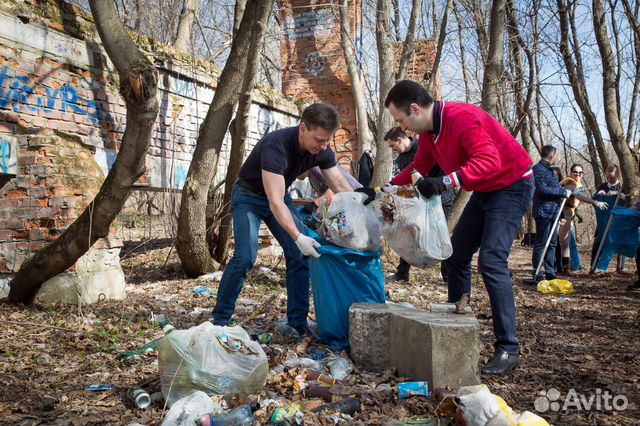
(313, 65)
(421, 62)
(62, 120)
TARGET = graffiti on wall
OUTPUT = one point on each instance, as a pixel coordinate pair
(268, 121)
(314, 64)
(8, 155)
(167, 172)
(317, 23)
(17, 92)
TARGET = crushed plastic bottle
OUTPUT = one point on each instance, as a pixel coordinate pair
(339, 367)
(241, 416)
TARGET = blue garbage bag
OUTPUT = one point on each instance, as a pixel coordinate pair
(625, 231)
(340, 278)
(573, 252)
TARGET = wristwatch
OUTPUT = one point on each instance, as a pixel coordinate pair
(447, 180)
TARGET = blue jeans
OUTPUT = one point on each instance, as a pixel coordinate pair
(249, 210)
(490, 222)
(543, 228)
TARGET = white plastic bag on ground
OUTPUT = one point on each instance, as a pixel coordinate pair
(217, 360)
(418, 231)
(188, 410)
(346, 222)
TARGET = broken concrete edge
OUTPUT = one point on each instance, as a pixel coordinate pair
(440, 346)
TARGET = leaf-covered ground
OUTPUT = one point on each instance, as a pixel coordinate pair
(587, 341)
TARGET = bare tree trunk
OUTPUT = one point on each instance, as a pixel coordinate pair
(364, 139)
(239, 135)
(191, 241)
(409, 41)
(383, 166)
(185, 24)
(465, 73)
(493, 67)
(490, 85)
(442, 34)
(628, 162)
(138, 85)
(576, 77)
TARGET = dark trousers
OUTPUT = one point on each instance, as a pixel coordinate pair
(543, 229)
(249, 210)
(404, 266)
(490, 222)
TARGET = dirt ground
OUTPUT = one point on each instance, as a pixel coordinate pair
(587, 342)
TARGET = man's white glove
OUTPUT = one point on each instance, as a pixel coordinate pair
(569, 193)
(307, 245)
(601, 205)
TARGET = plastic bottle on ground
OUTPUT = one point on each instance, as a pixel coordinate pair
(241, 416)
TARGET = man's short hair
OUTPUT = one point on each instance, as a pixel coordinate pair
(322, 115)
(547, 151)
(407, 92)
(395, 133)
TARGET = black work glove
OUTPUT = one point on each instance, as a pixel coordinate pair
(370, 193)
(430, 186)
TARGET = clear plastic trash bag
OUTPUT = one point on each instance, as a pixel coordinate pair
(346, 222)
(417, 229)
(217, 360)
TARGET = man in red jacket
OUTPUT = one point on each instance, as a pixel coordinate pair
(479, 155)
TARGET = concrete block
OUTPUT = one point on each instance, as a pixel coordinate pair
(369, 335)
(438, 346)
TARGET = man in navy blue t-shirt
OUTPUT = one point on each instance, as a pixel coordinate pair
(260, 195)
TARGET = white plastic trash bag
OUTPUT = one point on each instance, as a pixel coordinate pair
(188, 410)
(418, 231)
(346, 222)
(217, 360)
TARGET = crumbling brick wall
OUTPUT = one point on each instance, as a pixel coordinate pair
(62, 121)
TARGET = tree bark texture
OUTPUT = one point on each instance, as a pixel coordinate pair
(185, 24)
(383, 165)
(191, 243)
(442, 34)
(138, 86)
(493, 65)
(364, 139)
(575, 74)
(628, 162)
(240, 130)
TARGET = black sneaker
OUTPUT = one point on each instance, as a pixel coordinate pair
(635, 286)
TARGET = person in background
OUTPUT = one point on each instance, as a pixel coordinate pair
(569, 213)
(636, 286)
(611, 187)
(406, 149)
(322, 190)
(546, 205)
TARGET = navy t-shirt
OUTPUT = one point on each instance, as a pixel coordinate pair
(279, 152)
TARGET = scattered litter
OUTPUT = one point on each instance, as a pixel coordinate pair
(165, 297)
(555, 287)
(204, 291)
(241, 416)
(339, 367)
(139, 397)
(188, 410)
(265, 338)
(477, 406)
(409, 389)
(213, 276)
(346, 406)
(288, 416)
(98, 387)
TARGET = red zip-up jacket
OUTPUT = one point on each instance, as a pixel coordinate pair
(472, 148)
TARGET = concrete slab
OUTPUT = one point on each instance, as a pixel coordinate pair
(439, 346)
